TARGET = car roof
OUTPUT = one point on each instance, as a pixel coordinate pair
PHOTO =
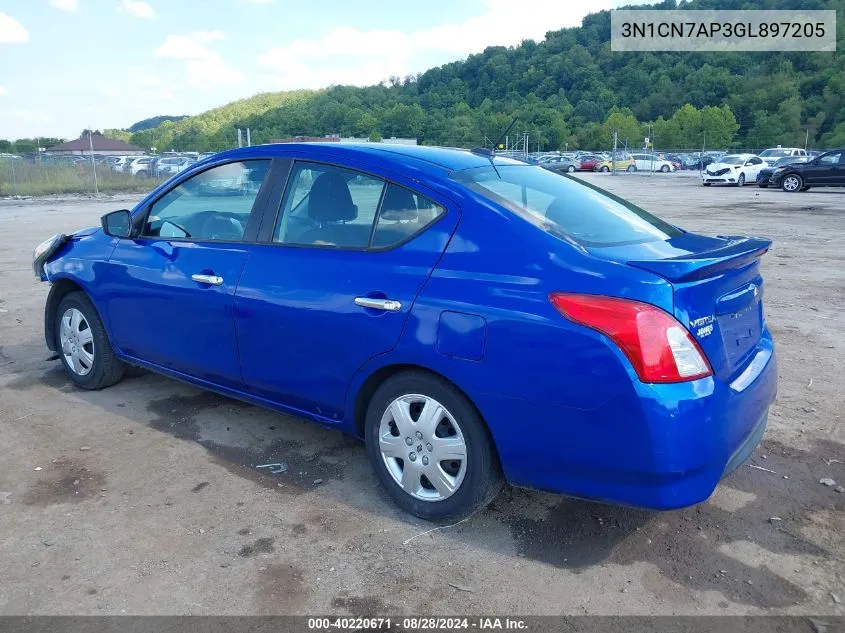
(414, 156)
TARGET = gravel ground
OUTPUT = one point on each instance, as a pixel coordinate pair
(144, 499)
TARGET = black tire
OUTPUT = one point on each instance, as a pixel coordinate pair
(740, 181)
(792, 183)
(665, 169)
(483, 478)
(605, 168)
(570, 169)
(107, 368)
(631, 168)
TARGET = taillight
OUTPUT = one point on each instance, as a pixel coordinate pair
(658, 346)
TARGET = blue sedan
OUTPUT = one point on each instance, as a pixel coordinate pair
(474, 319)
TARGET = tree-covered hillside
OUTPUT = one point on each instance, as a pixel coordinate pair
(568, 90)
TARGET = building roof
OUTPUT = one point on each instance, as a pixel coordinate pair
(101, 143)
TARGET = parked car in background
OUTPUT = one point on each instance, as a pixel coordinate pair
(119, 162)
(635, 367)
(733, 169)
(827, 170)
(769, 156)
(561, 164)
(651, 162)
(765, 174)
(139, 166)
(172, 165)
(588, 161)
(623, 162)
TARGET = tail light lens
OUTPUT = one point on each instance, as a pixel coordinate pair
(658, 346)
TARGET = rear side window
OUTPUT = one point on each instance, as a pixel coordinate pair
(566, 207)
(403, 214)
(332, 206)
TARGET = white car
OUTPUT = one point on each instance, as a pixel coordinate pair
(174, 165)
(733, 169)
(650, 162)
(138, 166)
(119, 162)
(774, 153)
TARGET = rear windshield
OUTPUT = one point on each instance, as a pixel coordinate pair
(566, 207)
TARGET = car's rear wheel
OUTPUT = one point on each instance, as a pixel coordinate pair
(792, 183)
(83, 345)
(665, 168)
(604, 168)
(430, 448)
(570, 169)
(741, 180)
(631, 168)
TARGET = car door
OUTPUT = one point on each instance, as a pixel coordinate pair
(752, 167)
(333, 281)
(825, 170)
(170, 289)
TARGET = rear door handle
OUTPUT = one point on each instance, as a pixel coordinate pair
(214, 280)
(378, 304)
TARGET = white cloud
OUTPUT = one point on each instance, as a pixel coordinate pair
(3, 91)
(203, 67)
(65, 5)
(138, 9)
(149, 81)
(347, 55)
(12, 31)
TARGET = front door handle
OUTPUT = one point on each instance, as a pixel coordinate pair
(214, 280)
(378, 304)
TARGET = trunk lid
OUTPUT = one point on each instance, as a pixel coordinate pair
(718, 291)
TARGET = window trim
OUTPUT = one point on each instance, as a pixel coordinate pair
(279, 203)
(139, 219)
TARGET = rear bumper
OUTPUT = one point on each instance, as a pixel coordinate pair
(662, 446)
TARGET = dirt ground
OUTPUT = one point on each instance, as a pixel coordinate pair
(144, 498)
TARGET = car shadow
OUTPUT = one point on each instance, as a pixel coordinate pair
(705, 547)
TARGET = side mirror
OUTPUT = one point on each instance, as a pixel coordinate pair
(117, 223)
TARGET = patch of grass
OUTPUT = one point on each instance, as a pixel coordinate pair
(20, 178)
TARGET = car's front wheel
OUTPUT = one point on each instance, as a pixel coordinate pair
(430, 448)
(570, 169)
(664, 169)
(83, 345)
(604, 168)
(792, 183)
(740, 181)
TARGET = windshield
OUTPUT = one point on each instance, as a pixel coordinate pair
(775, 153)
(732, 160)
(566, 207)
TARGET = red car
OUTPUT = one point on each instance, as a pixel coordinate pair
(588, 161)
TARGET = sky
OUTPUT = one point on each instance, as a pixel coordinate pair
(66, 65)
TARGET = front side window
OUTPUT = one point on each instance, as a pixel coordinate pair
(830, 159)
(212, 205)
(332, 206)
(566, 207)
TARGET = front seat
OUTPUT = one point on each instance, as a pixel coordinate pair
(330, 205)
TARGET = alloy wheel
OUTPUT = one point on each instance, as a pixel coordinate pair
(791, 183)
(423, 447)
(77, 342)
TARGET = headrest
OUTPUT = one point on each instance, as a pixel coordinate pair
(398, 204)
(330, 200)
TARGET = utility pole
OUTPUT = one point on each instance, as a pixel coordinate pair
(93, 165)
(248, 140)
(806, 139)
(613, 156)
(240, 138)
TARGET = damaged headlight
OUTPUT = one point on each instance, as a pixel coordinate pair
(44, 251)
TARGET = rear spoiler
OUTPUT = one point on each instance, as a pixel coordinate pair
(737, 252)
